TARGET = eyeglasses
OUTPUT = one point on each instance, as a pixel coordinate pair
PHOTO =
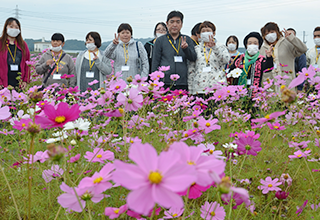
(161, 30)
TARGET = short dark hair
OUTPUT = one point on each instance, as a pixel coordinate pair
(316, 29)
(291, 29)
(155, 28)
(270, 26)
(175, 14)
(235, 39)
(96, 37)
(207, 24)
(125, 26)
(57, 36)
(195, 29)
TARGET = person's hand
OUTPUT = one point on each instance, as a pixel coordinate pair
(49, 62)
(1, 87)
(184, 43)
(116, 39)
(211, 42)
(269, 51)
(286, 33)
(95, 56)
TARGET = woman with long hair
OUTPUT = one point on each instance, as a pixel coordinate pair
(14, 53)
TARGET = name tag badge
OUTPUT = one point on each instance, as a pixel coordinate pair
(56, 76)
(248, 82)
(14, 67)
(89, 74)
(178, 59)
(125, 68)
(274, 65)
(315, 65)
(206, 69)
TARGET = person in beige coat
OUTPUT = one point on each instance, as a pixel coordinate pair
(313, 54)
(285, 50)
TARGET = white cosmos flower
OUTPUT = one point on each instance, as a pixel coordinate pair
(80, 123)
(236, 73)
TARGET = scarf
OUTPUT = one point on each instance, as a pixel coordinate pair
(248, 61)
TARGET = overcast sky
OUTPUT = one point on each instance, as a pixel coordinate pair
(75, 18)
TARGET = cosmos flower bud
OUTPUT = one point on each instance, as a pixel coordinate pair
(33, 128)
(282, 194)
(287, 95)
(55, 152)
(36, 96)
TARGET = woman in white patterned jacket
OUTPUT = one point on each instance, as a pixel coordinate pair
(212, 56)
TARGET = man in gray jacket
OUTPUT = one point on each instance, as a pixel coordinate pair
(174, 50)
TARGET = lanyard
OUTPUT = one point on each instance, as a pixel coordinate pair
(174, 46)
(318, 54)
(15, 53)
(244, 67)
(126, 53)
(91, 65)
(205, 54)
(195, 41)
(234, 58)
(56, 61)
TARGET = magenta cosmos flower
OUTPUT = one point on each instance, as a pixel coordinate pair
(99, 155)
(247, 145)
(212, 211)
(59, 115)
(275, 126)
(113, 213)
(154, 179)
(133, 102)
(22, 124)
(269, 185)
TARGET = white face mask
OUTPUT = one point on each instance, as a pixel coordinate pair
(271, 37)
(252, 49)
(91, 46)
(205, 36)
(56, 49)
(232, 47)
(12, 32)
(317, 41)
(159, 34)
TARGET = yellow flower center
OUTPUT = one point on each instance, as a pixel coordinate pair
(116, 211)
(307, 74)
(131, 141)
(60, 119)
(212, 213)
(286, 176)
(186, 135)
(208, 124)
(191, 163)
(219, 96)
(276, 127)
(97, 180)
(267, 116)
(158, 76)
(121, 110)
(282, 87)
(117, 87)
(299, 155)
(174, 215)
(228, 91)
(155, 177)
(99, 156)
(270, 185)
(211, 151)
(23, 125)
(42, 103)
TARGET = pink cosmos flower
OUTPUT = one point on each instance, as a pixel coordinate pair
(301, 208)
(174, 77)
(203, 164)
(285, 178)
(39, 156)
(49, 175)
(99, 180)
(70, 201)
(247, 145)
(275, 126)
(172, 213)
(65, 76)
(74, 159)
(59, 116)
(154, 179)
(210, 150)
(113, 213)
(118, 86)
(22, 124)
(156, 76)
(300, 154)
(99, 155)
(164, 68)
(195, 191)
(212, 211)
(133, 102)
(269, 117)
(208, 125)
(4, 112)
(93, 82)
(269, 185)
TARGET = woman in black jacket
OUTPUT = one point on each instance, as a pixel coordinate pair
(159, 30)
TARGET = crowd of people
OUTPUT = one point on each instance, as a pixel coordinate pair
(201, 61)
